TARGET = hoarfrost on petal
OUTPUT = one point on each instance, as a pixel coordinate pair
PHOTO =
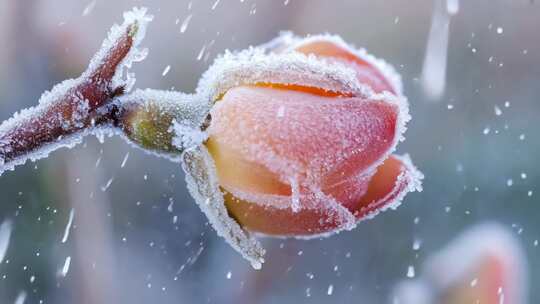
(291, 42)
(253, 66)
(204, 187)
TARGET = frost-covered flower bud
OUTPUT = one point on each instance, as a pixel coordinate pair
(291, 138)
(302, 133)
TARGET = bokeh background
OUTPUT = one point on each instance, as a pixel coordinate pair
(138, 237)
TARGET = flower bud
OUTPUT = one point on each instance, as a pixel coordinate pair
(302, 137)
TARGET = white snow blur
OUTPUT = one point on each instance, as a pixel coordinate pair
(433, 77)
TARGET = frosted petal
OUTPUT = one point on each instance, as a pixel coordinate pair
(288, 42)
(253, 66)
(204, 187)
(313, 139)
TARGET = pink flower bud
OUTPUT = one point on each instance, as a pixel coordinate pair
(299, 155)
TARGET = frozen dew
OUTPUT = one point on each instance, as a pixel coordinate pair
(529, 193)
(523, 175)
(215, 4)
(435, 60)
(185, 23)
(281, 111)
(166, 70)
(68, 226)
(32, 279)
(474, 282)
(535, 243)
(522, 137)
(500, 30)
(410, 272)
(295, 195)
(486, 131)
(286, 2)
(229, 275)
(507, 104)
(89, 8)
(5, 236)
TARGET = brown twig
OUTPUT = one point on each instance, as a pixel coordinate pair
(72, 106)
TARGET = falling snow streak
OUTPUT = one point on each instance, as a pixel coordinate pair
(68, 226)
(5, 235)
(435, 60)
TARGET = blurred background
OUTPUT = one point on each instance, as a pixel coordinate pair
(136, 236)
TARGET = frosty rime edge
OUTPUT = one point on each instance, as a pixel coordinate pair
(308, 154)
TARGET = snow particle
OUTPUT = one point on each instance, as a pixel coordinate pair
(497, 110)
(68, 226)
(185, 23)
(166, 70)
(89, 8)
(124, 160)
(410, 271)
(330, 290)
(65, 268)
